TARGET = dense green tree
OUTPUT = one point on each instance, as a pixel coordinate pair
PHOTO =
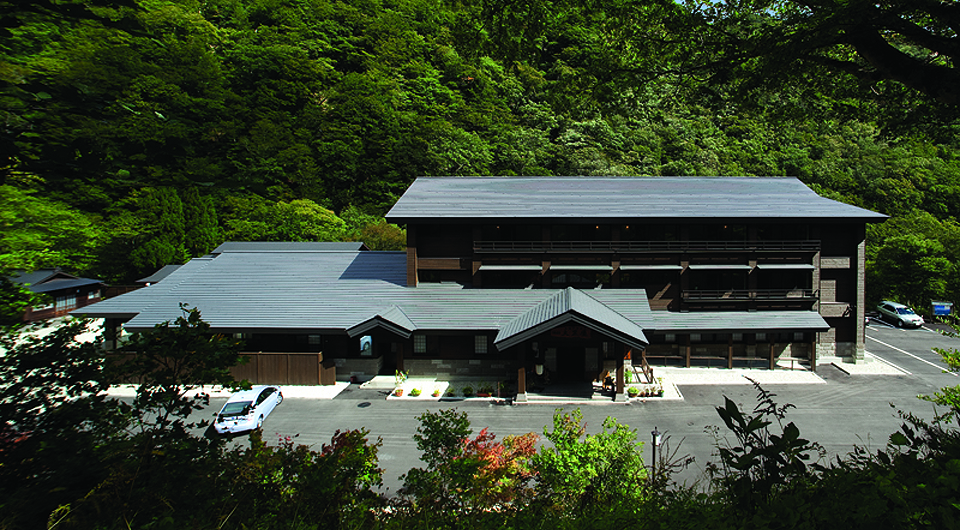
(253, 218)
(200, 220)
(36, 233)
(147, 231)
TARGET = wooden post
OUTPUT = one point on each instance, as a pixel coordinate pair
(773, 362)
(620, 394)
(686, 342)
(730, 352)
(521, 385)
(400, 356)
(813, 355)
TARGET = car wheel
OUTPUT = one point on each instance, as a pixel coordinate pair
(279, 398)
(260, 422)
(899, 323)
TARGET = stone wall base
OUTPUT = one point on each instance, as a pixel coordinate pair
(361, 370)
(445, 369)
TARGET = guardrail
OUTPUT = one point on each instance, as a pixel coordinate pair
(644, 246)
(737, 295)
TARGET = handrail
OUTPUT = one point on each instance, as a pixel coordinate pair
(647, 370)
(642, 246)
(734, 295)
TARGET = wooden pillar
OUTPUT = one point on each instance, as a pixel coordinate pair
(813, 354)
(686, 342)
(521, 385)
(620, 394)
(411, 256)
(730, 352)
(773, 362)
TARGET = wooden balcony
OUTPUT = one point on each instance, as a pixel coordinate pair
(741, 295)
(626, 247)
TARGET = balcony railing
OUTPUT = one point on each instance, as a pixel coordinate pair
(644, 246)
(739, 295)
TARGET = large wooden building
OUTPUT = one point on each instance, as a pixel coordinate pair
(570, 276)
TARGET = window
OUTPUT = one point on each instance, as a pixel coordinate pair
(313, 339)
(93, 295)
(670, 338)
(419, 344)
(798, 336)
(694, 337)
(66, 302)
(480, 344)
(761, 337)
(738, 337)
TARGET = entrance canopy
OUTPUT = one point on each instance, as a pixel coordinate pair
(393, 319)
(570, 305)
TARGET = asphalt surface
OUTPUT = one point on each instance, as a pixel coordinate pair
(847, 411)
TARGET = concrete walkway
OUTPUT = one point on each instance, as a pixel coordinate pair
(671, 379)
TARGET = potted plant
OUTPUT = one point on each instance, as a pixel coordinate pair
(398, 392)
(467, 391)
(633, 391)
(484, 389)
(451, 392)
(415, 392)
(436, 392)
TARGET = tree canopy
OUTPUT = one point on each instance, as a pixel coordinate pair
(144, 133)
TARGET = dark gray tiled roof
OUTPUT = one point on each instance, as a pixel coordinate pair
(355, 291)
(48, 280)
(618, 198)
(164, 271)
(57, 285)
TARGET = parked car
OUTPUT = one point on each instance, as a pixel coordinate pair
(899, 315)
(247, 409)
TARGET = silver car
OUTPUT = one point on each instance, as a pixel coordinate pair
(247, 409)
(899, 315)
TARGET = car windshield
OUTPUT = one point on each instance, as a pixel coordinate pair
(237, 408)
(905, 311)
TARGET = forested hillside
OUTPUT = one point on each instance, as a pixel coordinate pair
(144, 132)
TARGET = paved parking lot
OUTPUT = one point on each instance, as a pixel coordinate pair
(842, 410)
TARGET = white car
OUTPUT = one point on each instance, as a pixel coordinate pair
(899, 315)
(246, 410)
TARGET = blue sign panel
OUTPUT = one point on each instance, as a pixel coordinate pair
(942, 308)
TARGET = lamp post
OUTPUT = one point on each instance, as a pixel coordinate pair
(656, 443)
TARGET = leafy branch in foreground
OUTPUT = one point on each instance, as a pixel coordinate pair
(170, 362)
(948, 396)
(760, 462)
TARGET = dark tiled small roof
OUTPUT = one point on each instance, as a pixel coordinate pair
(617, 198)
(49, 280)
(58, 285)
(164, 271)
(40, 276)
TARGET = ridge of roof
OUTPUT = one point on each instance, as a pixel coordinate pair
(649, 197)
